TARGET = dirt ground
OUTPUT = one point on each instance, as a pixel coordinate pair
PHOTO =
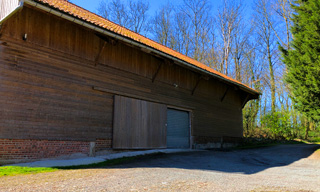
(279, 168)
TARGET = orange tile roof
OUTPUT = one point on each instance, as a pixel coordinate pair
(82, 14)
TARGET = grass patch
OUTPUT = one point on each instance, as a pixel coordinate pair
(16, 170)
(315, 140)
(250, 143)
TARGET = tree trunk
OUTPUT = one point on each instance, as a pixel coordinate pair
(272, 81)
(306, 136)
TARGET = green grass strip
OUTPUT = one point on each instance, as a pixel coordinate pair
(267, 143)
(16, 170)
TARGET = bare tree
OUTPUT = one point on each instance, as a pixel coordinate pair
(251, 76)
(228, 20)
(284, 11)
(132, 15)
(162, 26)
(115, 11)
(182, 34)
(264, 22)
(138, 16)
(196, 12)
(241, 46)
(187, 29)
(211, 57)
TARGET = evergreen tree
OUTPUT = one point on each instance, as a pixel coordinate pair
(303, 59)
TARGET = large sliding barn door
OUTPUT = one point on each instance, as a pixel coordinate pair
(139, 124)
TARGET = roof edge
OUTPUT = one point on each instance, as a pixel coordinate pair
(107, 32)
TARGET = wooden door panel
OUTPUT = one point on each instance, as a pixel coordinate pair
(138, 124)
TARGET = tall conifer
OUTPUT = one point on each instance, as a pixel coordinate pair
(303, 59)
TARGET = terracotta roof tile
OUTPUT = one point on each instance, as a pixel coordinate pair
(78, 12)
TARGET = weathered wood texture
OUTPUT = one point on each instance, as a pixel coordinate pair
(46, 83)
(7, 6)
(139, 124)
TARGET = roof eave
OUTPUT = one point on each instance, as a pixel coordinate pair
(97, 28)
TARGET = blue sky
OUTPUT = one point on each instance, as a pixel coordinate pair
(154, 4)
(93, 4)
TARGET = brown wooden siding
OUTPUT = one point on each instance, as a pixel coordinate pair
(46, 83)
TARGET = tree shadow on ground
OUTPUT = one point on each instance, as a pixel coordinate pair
(248, 161)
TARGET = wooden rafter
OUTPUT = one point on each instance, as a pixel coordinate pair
(200, 77)
(245, 100)
(96, 61)
(205, 77)
(156, 73)
(109, 40)
(106, 40)
(197, 84)
(169, 62)
(224, 95)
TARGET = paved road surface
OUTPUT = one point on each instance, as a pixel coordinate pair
(279, 168)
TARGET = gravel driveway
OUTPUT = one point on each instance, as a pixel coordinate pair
(279, 168)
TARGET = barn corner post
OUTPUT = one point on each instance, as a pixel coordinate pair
(79, 86)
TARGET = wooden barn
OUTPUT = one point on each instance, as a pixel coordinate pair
(74, 82)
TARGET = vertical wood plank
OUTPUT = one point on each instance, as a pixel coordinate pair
(138, 124)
